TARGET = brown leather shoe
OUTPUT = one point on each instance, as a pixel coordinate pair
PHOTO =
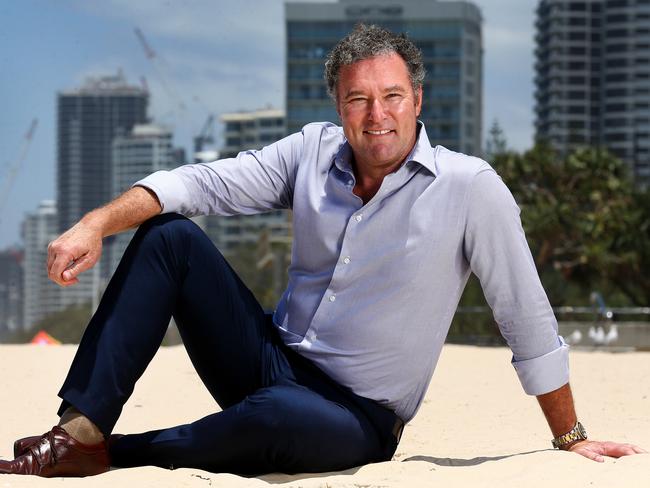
(21, 446)
(58, 454)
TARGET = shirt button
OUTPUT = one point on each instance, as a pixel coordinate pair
(346, 259)
(358, 218)
(332, 298)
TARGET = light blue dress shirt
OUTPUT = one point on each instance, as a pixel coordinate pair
(373, 288)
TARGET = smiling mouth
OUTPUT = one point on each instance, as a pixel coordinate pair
(378, 132)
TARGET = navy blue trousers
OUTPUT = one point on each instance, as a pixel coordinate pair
(279, 411)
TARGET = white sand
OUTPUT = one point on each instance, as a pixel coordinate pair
(475, 428)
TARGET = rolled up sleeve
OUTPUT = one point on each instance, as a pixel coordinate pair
(498, 253)
(544, 373)
(170, 190)
(252, 182)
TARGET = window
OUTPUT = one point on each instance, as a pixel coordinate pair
(577, 95)
(618, 92)
(577, 7)
(616, 77)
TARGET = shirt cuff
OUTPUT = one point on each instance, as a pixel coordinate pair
(170, 190)
(544, 373)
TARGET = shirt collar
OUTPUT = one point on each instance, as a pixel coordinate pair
(422, 153)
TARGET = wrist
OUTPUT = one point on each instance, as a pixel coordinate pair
(571, 438)
(94, 222)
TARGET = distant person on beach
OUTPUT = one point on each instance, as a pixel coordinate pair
(387, 230)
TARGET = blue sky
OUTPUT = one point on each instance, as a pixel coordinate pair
(221, 56)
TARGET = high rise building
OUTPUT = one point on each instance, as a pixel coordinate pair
(251, 130)
(448, 34)
(243, 131)
(89, 118)
(593, 77)
(11, 290)
(146, 149)
(40, 295)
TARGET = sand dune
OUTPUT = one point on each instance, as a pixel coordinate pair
(475, 428)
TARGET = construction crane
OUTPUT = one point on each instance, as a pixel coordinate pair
(159, 66)
(203, 152)
(204, 142)
(13, 169)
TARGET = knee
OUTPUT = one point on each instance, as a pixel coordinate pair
(167, 226)
(269, 408)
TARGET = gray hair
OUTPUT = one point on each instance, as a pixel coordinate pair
(368, 41)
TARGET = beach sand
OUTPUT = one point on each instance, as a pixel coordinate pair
(476, 427)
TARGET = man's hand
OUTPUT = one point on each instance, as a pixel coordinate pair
(79, 248)
(558, 408)
(596, 450)
(75, 251)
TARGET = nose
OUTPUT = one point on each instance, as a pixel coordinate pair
(377, 110)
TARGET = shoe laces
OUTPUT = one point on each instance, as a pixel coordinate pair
(35, 449)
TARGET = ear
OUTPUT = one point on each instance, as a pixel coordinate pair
(418, 101)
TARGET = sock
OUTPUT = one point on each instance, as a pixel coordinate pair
(79, 427)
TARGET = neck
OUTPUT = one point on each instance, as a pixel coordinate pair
(369, 179)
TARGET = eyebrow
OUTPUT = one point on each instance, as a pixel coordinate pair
(392, 88)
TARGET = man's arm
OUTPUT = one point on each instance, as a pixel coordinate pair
(560, 414)
(80, 247)
(496, 248)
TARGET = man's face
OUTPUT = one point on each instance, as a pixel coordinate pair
(379, 109)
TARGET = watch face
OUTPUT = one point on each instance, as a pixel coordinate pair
(582, 431)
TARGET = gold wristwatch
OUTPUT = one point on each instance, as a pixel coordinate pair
(578, 433)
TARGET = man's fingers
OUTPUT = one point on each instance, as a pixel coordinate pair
(50, 258)
(79, 266)
(59, 264)
(590, 454)
(595, 450)
(617, 450)
(65, 284)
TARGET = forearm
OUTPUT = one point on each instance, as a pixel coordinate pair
(126, 211)
(559, 410)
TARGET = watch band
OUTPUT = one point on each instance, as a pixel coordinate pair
(578, 433)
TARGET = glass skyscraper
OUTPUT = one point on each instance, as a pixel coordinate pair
(593, 77)
(448, 33)
(89, 118)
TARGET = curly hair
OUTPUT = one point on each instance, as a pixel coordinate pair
(367, 41)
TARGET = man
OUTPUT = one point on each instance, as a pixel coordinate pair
(387, 230)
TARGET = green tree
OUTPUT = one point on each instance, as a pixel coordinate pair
(496, 144)
(582, 216)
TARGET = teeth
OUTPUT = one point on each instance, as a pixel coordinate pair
(378, 132)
